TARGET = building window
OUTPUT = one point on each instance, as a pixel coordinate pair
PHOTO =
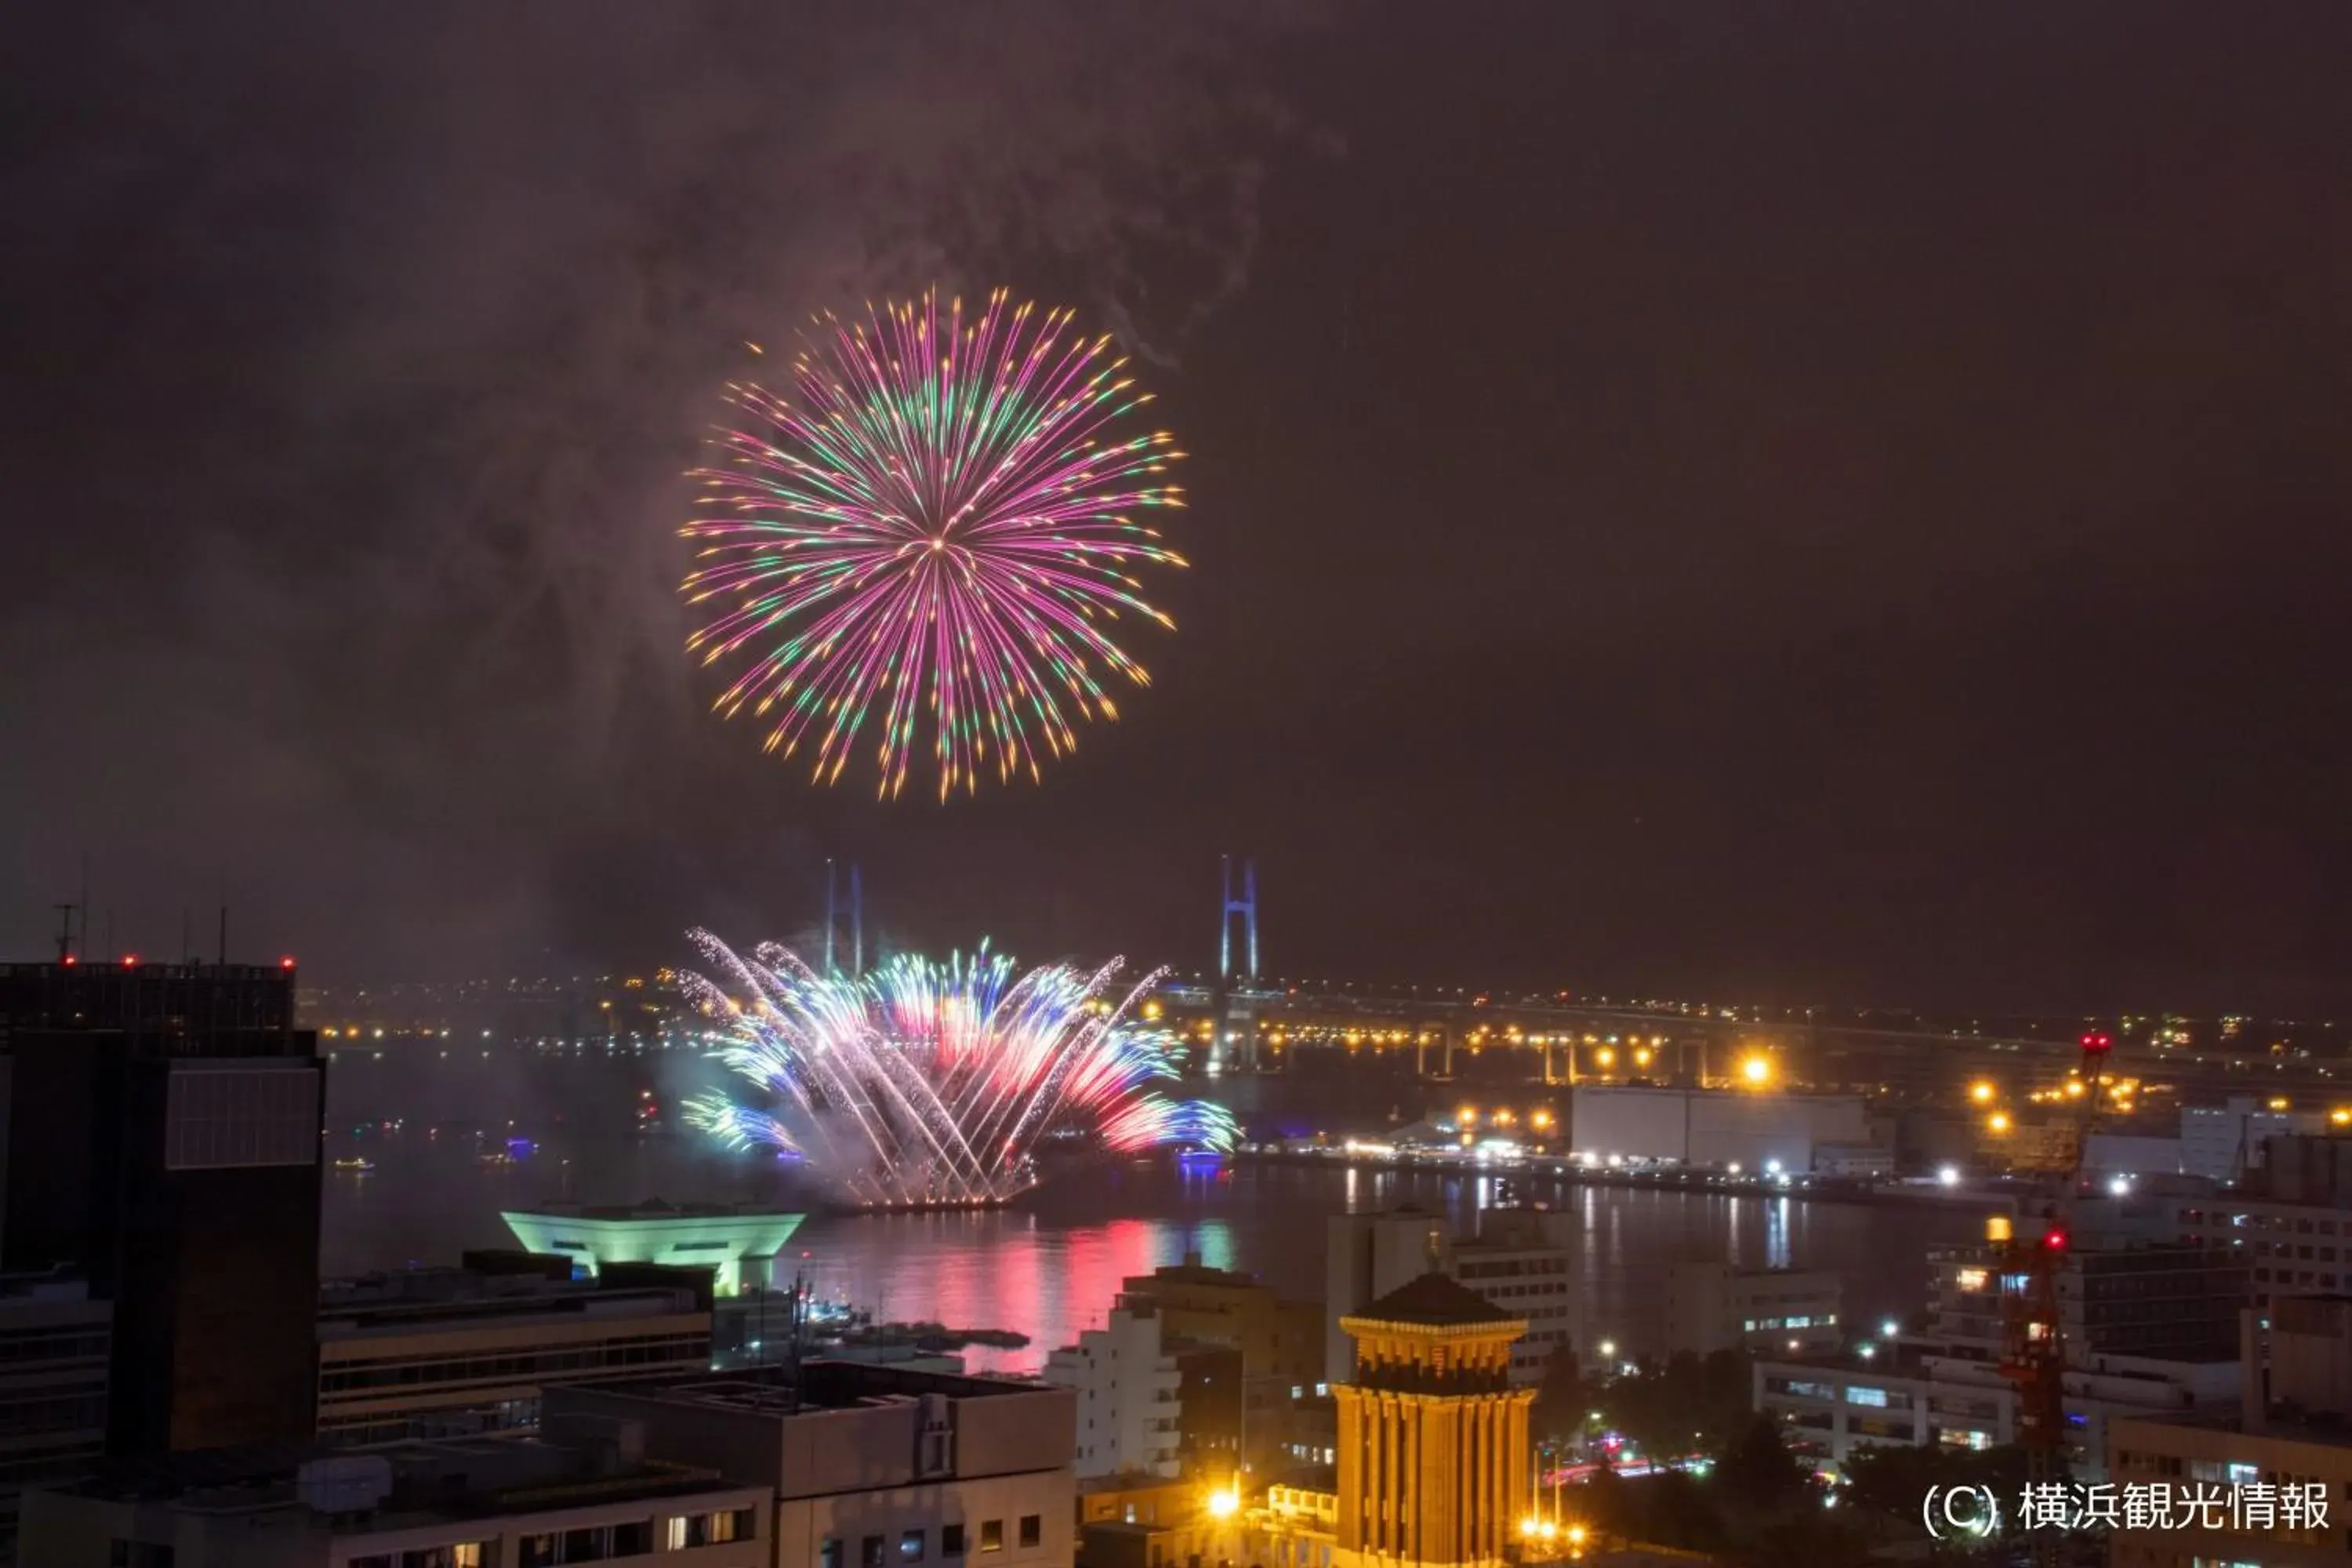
(829, 1550)
(951, 1541)
(991, 1535)
(869, 1553)
(1031, 1530)
(910, 1546)
(460, 1555)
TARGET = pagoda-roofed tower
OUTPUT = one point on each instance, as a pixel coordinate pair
(1434, 1460)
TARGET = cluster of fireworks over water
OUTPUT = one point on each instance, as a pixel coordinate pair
(935, 531)
(931, 1084)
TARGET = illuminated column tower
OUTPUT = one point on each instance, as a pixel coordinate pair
(1435, 1465)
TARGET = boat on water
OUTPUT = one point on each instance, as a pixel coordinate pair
(927, 1336)
(354, 1165)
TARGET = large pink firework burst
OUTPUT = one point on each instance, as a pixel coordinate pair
(933, 535)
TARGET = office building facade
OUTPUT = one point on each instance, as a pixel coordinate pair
(1523, 1260)
(584, 1496)
(1713, 1306)
(445, 1353)
(163, 1127)
(54, 1351)
(871, 1466)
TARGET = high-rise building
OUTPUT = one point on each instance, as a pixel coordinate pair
(1126, 1386)
(1433, 1461)
(1523, 1260)
(444, 1352)
(1365, 1257)
(163, 1127)
(1248, 1361)
(2161, 1300)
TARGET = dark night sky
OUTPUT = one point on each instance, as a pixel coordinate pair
(1782, 501)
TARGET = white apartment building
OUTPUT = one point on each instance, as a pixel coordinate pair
(1125, 1384)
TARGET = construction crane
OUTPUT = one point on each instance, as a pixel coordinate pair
(2033, 1355)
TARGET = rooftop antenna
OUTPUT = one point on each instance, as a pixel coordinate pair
(222, 960)
(65, 931)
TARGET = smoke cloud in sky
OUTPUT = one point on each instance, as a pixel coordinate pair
(368, 347)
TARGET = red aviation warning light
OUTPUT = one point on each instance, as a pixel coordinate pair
(2098, 1045)
(2055, 1241)
(286, 963)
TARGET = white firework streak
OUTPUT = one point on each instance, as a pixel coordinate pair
(926, 1083)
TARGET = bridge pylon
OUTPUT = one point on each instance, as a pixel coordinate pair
(856, 921)
(1234, 1026)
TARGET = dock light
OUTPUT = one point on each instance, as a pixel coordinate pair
(1981, 1092)
(1948, 1176)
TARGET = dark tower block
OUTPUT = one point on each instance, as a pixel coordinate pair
(164, 1136)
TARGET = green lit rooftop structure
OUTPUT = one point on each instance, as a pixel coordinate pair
(735, 1244)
